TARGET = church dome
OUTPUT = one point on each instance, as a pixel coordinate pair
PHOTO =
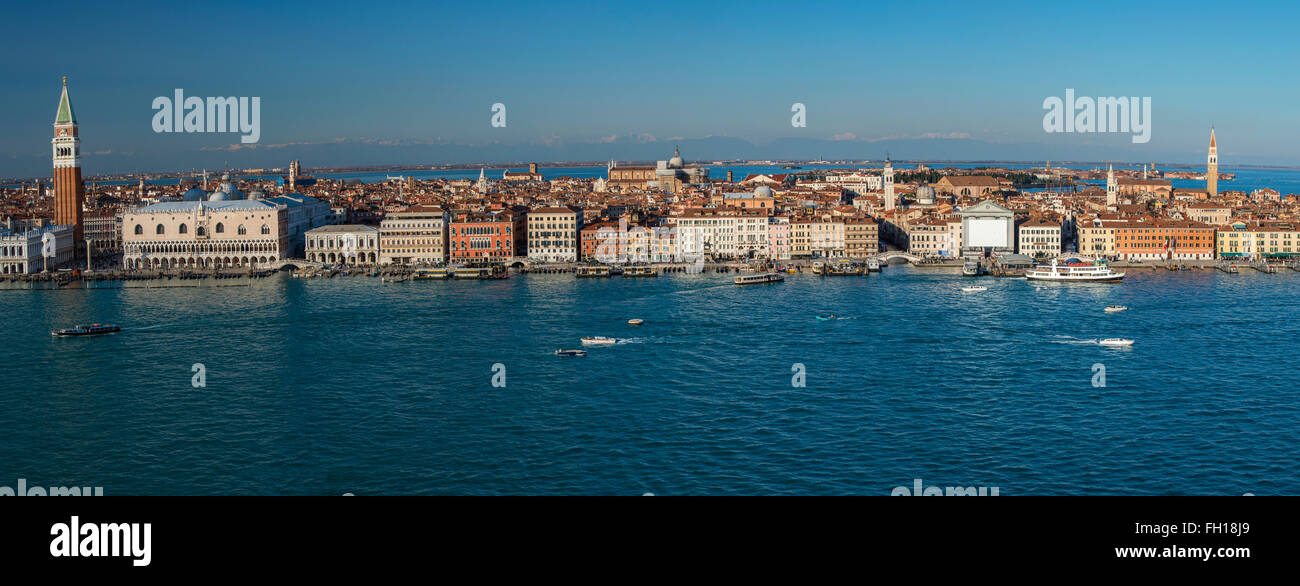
(194, 194)
(219, 196)
(763, 191)
(676, 162)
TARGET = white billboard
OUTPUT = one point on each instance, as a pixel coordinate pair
(987, 232)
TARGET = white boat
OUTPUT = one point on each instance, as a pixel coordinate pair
(970, 269)
(873, 266)
(1089, 272)
(1115, 308)
(759, 278)
(1116, 342)
(598, 341)
(974, 289)
(570, 352)
(635, 322)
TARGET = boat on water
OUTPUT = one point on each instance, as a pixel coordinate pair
(635, 322)
(974, 289)
(873, 266)
(598, 341)
(1116, 342)
(970, 269)
(438, 274)
(1096, 271)
(591, 271)
(495, 271)
(90, 330)
(1115, 308)
(570, 352)
(758, 279)
(639, 271)
(826, 317)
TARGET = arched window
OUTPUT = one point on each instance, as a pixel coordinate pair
(139, 230)
(160, 230)
(242, 230)
(266, 229)
(201, 231)
(221, 228)
(184, 230)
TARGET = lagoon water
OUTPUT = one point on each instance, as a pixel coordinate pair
(349, 385)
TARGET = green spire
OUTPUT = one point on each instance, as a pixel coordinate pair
(65, 115)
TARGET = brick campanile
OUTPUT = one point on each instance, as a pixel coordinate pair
(69, 191)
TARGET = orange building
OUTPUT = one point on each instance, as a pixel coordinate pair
(487, 237)
(1164, 240)
(598, 233)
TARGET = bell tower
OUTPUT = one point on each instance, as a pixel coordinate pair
(1212, 167)
(69, 191)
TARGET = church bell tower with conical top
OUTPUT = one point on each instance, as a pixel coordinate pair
(69, 191)
(1212, 167)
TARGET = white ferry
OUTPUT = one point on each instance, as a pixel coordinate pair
(759, 278)
(598, 341)
(1095, 271)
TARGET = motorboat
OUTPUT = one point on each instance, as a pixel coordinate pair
(1116, 342)
(970, 269)
(974, 289)
(598, 341)
(570, 352)
(90, 330)
(1115, 308)
(826, 317)
(635, 322)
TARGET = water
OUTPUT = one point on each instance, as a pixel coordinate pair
(329, 386)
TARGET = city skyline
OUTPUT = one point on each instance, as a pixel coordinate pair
(720, 80)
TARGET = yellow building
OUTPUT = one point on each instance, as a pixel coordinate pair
(1096, 238)
(1258, 241)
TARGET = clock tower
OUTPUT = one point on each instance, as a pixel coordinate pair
(69, 192)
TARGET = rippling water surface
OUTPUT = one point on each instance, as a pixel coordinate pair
(329, 386)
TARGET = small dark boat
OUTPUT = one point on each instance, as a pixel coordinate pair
(90, 330)
(570, 352)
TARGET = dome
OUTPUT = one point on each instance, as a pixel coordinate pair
(219, 196)
(676, 162)
(257, 194)
(763, 191)
(194, 194)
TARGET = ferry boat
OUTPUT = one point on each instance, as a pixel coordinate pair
(1116, 342)
(438, 274)
(590, 271)
(598, 341)
(492, 272)
(758, 279)
(570, 352)
(639, 271)
(1081, 272)
(90, 330)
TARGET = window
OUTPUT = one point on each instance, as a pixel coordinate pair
(241, 230)
(160, 230)
(201, 231)
(139, 230)
(266, 229)
(221, 228)
(184, 230)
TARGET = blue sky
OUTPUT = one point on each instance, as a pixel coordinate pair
(414, 82)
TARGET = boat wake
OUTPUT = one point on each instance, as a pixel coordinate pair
(1072, 340)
